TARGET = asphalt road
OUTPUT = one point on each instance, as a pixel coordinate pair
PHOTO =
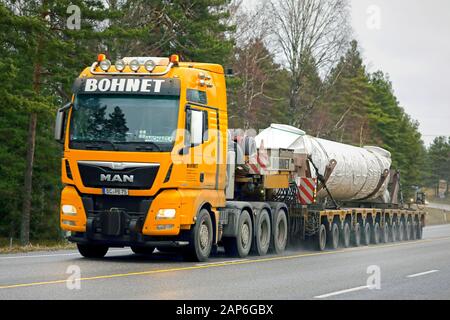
(408, 270)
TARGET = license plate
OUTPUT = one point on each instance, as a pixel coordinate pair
(115, 192)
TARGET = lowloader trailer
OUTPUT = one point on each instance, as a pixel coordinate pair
(149, 162)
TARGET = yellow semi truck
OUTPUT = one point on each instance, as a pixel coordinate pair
(149, 162)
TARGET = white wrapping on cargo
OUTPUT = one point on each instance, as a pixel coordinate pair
(358, 170)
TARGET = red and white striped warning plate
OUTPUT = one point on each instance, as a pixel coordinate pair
(307, 189)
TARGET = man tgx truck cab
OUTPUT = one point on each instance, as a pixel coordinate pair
(131, 137)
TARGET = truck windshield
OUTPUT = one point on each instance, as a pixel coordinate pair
(124, 122)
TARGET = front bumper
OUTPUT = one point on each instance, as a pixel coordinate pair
(130, 240)
(122, 221)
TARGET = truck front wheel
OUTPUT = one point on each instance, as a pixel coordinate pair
(92, 251)
(201, 238)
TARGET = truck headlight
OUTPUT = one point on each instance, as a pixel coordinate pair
(69, 210)
(166, 214)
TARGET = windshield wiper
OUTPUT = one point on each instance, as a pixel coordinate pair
(112, 144)
(144, 145)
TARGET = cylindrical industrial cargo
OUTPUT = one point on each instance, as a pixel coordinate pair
(358, 171)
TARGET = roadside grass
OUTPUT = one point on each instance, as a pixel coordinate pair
(38, 245)
(430, 195)
(437, 216)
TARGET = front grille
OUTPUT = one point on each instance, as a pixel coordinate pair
(97, 176)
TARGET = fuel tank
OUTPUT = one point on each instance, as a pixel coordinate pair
(358, 172)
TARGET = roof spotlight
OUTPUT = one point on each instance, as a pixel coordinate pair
(135, 65)
(120, 65)
(105, 65)
(150, 65)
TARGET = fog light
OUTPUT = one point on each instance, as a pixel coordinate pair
(164, 226)
(69, 223)
(105, 65)
(166, 214)
(69, 210)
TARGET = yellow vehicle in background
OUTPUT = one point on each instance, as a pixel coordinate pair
(149, 163)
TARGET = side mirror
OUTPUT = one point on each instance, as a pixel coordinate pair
(60, 122)
(229, 72)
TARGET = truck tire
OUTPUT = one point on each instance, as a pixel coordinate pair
(376, 232)
(401, 231)
(394, 231)
(143, 250)
(263, 233)
(346, 233)
(280, 232)
(321, 238)
(200, 238)
(408, 230)
(357, 235)
(241, 245)
(385, 233)
(419, 231)
(334, 236)
(413, 231)
(92, 251)
(366, 234)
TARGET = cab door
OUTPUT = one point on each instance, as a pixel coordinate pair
(201, 127)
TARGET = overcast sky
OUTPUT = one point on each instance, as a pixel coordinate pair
(411, 42)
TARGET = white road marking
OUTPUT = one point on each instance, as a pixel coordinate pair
(53, 255)
(421, 274)
(220, 262)
(323, 296)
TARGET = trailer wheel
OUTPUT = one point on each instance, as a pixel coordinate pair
(408, 231)
(321, 238)
(346, 233)
(419, 230)
(280, 232)
(385, 233)
(262, 234)
(401, 231)
(366, 234)
(143, 250)
(241, 245)
(334, 236)
(414, 231)
(394, 232)
(357, 235)
(376, 233)
(92, 251)
(200, 238)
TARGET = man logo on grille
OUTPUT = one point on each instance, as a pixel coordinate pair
(116, 178)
